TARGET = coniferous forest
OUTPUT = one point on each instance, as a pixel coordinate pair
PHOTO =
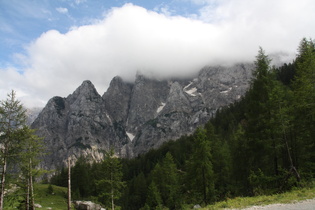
(262, 144)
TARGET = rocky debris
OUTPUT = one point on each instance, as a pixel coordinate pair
(135, 117)
(36, 205)
(87, 205)
(197, 206)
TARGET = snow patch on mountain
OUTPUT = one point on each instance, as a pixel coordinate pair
(160, 108)
(192, 91)
(130, 136)
(226, 91)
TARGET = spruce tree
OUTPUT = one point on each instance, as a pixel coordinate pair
(165, 176)
(29, 158)
(257, 119)
(81, 179)
(303, 106)
(12, 122)
(170, 188)
(110, 186)
(200, 170)
(221, 161)
(154, 200)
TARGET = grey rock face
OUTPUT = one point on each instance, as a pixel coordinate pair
(192, 105)
(147, 95)
(117, 100)
(78, 126)
(133, 118)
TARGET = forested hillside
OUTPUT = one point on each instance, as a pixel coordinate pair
(262, 144)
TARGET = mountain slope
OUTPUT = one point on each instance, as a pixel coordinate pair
(135, 117)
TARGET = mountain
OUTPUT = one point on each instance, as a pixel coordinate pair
(31, 114)
(134, 117)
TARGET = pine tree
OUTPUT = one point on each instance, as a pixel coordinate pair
(170, 187)
(110, 186)
(12, 121)
(257, 114)
(200, 170)
(267, 129)
(32, 149)
(136, 194)
(81, 179)
(221, 161)
(154, 200)
(281, 126)
(166, 178)
(303, 106)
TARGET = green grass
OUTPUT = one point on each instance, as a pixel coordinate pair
(243, 202)
(56, 200)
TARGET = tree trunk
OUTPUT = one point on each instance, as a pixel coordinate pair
(204, 186)
(292, 169)
(112, 190)
(69, 185)
(113, 205)
(3, 174)
(27, 203)
(31, 187)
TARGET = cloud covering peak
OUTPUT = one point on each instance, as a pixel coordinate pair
(131, 38)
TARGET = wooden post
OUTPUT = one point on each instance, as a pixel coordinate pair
(69, 185)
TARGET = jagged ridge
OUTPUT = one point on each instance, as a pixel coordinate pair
(135, 117)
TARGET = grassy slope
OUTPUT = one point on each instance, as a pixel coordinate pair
(57, 200)
(288, 197)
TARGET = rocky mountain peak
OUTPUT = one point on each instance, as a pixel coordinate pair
(135, 117)
(85, 92)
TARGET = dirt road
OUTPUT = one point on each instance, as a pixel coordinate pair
(302, 205)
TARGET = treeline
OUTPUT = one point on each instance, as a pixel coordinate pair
(262, 144)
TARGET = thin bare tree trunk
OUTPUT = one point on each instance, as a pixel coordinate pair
(27, 201)
(113, 205)
(69, 185)
(112, 190)
(292, 169)
(31, 187)
(3, 174)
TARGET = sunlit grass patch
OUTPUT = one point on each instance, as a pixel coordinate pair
(288, 197)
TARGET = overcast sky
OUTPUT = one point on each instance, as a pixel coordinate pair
(49, 47)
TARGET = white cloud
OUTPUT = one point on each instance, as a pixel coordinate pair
(62, 10)
(132, 38)
(79, 1)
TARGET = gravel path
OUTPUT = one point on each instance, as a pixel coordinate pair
(302, 205)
